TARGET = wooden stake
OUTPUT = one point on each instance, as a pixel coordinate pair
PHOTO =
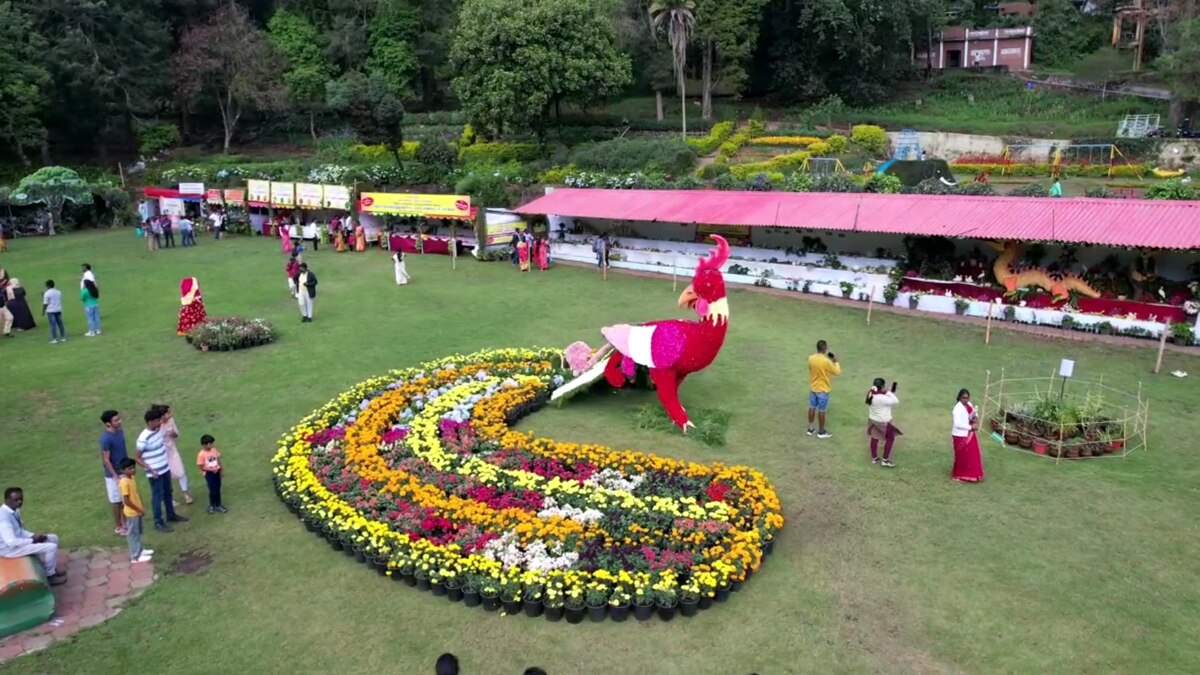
(987, 333)
(870, 304)
(453, 244)
(1162, 346)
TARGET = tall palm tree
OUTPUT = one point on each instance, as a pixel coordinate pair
(679, 18)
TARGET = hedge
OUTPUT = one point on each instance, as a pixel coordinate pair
(498, 153)
(1043, 169)
(781, 164)
(709, 144)
(378, 153)
(623, 155)
(796, 141)
(870, 138)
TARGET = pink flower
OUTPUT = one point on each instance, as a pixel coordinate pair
(579, 357)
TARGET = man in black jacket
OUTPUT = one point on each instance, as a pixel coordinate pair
(306, 292)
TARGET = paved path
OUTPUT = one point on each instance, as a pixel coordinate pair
(99, 582)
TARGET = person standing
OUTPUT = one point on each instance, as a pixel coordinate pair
(132, 509)
(17, 542)
(152, 454)
(306, 292)
(191, 310)
(90, 296)
(170, 434)
(169, 232)
(218, 223)
(399, 268)
(187, 231)
(156, 231)
(292, 270)
(822, 368)
(18, 307)
(360, 238)
(968, 462)
(6, 317)
(880, 402)
(112, 453)
(52, 309)
(209, 461)
(88, 275)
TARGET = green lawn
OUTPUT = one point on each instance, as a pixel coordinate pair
(1083, 567)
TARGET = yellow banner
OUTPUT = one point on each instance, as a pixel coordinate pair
(309, 196)
(283, 194)
(235, 196)
(501, 234)
(405, 204)
(258, 191)
(734, 233)
(337, 197)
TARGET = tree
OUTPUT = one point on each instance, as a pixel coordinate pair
(1180, 62)
(372, 108)
(677, 18)
(393, 32)
(308, 70)
(515, 63)
(229, 59)
(1064, 34)
(22, 80)
(728, 31)
(52, 186)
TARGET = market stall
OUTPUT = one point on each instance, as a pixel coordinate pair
(379, 207)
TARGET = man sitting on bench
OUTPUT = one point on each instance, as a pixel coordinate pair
(17, 542)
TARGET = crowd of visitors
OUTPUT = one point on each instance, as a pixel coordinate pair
(527, 250)
(17, 317)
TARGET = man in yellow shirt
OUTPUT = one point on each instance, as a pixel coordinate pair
(822, 366)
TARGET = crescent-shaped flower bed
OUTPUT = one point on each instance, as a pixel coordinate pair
(420, 474)
(227, 333)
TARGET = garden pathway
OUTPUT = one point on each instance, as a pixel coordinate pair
(99, 582)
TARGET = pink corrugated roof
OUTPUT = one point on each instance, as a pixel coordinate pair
(1106, 222)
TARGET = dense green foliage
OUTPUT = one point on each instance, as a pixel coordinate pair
(670, 156)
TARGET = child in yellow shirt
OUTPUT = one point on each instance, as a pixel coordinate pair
(133, 510)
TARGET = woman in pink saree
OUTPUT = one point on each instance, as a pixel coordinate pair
(968, 463)
(285, 237)
(543, 254)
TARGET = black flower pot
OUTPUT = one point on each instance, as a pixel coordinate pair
(737, 586)
(348, 548)
(618, 613)
(666, 612)
(381, 566)
(722, 594)
(471, 597)
(359, 555)
(491, 603)
(689, 607)
(534, 608)
(311, 526)
(438, 588)
(423, 584)
(575, 615)
(512, 606)
(335, 543)
(454, 593)
(643, 612)
(408, 578)
(397, 575)
(554, 613)
(706, 602)
(769, 547)
(597, 614)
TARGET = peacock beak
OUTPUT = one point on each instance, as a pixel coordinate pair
(688, 298)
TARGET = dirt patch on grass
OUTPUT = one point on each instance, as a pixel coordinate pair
(192, 562)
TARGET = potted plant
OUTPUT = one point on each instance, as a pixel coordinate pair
(723, 590)
(643, 603)
(619, 603)
(961, 305)
(574, 605)
(534, 600)
(914, 300)
(890, 292)
(1010, 313)
(689, 598)
(807, 287)
(596, 598)
(1182, 334)
(666, 603)
(423, 582)
(554, 601)
(1054, 449)
(1106, 328)
(1112, 441)
(1068, 322)
(490, 594)
(453, 584)
(847, 288)
(437, 583)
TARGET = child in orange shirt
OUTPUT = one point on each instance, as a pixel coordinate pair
(209, 461)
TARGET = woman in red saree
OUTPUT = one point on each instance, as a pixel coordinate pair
(523, 255)
(192, 313)
(543, 254)
(968, 464)
(285, 237)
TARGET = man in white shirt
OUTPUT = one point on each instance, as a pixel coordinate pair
(87, 275)
(218, 222)
(186, 232)
(17, 542)
(52, 309)
(152, 454)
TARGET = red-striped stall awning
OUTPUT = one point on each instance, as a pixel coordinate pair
(1105, 222)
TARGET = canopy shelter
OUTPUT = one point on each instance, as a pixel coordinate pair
(1103, 222)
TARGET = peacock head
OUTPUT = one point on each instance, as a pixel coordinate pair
(706, 294)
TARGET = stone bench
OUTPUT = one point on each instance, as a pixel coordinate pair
(25, 597)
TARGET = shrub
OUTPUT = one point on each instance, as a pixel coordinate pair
(233, 332)
(468, 136)
(1098, 192)
(765, 182)
(838, 182)
(786, 141)
(709, 144)
(837, 143)
(819, 149)
(498, 153)
(556, 175)
(779, 164)
(798, 182)
(932, 186)
(1031, 190)
(486, 189)
(154, 137)
(688, 183)
(713, 170)
(869, 138)
(755, 128)
(1174, 188)
(436, 152)
(883, 184)
(728, 182)
(976, 190)
(665, 155)
(378, 153)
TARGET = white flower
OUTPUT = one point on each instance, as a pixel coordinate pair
(1192, 307)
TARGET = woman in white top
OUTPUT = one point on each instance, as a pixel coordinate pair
(968, 463)
(399, 269)
(880, 402)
